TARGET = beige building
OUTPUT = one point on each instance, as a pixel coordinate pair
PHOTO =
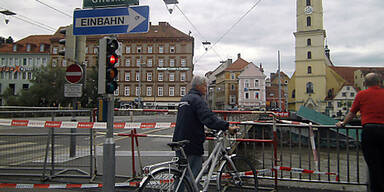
(226, 95)
(154, 67)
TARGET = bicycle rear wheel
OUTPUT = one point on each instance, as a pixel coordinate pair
(244, 179)
(165, 180)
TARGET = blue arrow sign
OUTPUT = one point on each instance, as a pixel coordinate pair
(111, 21)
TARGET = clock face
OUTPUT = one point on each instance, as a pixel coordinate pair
(308, 10)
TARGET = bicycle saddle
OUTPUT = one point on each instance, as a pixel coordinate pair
(178, 144)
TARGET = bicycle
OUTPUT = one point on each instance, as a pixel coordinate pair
(230, 171)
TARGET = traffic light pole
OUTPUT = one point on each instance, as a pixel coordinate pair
(109, 161)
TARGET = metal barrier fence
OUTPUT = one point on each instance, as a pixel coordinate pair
(46, 152)
(306, 153)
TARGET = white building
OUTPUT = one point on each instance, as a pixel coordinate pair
(252, 88)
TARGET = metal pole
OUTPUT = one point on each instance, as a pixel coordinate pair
(140, 84)
(279, 80)
(72, 146)
(109, 150)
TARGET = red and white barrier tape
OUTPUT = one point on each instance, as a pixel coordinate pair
(90, 125)
(63, 186)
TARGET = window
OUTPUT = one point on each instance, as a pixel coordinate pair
(54, 63)
(309, 42)
(182, 91)
(160, 91)
(308, 21)
(182, 76)
(172, 49)
(308, 2)
(183, 62)
(54, 50)
(161, 49)
(138, 49)
(257, 95)
(138, 62)
(171, 76)
(246, 83)
(256, 82)
(25, 75)
(161, 62)
(86, 50)
(172, 62)
(352, 94)
(149, 76)
(309, 69)
(127, 49)
(232, 76)
(42, 48)
(2, 76)
(17, 61)
(348, 88)
(160, 77)
(233, 87)
(30, 75)
(149, 91)
(137, 93)
(15, 75)
(95, 50)
(344, 94)
(64, 63)
(137, 76)
(127, 76)
(339, 104)
(149, 62)
(116, 93)
(128, 62)
(309, 87)
(14, 48)
(30, 61)
(149, 49)
(171, 91)
(126, 91)
(309, 55)
(44, 61)
(232, 99)
(9, 75)
(246, 95)
(293, 93)
(28, 47)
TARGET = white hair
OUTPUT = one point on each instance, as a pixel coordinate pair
(198, 80)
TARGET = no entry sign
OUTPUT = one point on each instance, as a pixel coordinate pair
(74, 73)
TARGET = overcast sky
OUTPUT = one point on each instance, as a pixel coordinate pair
(353, 27)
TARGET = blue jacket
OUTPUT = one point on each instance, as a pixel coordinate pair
(193, 113)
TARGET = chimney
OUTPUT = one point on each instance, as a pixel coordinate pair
(238, 55)
(261, 68)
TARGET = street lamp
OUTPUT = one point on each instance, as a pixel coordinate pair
(7, 13)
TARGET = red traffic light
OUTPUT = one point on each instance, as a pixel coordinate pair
(112, 59)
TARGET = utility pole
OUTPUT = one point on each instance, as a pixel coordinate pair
(279, 80)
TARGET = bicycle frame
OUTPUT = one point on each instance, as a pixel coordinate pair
(219, 154)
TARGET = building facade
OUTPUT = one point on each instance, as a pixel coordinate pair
(274, 99)
(19, 60)
(226, 95)
(154, 69)
(252, 88)
(211, 76)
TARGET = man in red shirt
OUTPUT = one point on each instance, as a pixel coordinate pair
(370, 103)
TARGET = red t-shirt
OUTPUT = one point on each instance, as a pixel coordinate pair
(370, 103)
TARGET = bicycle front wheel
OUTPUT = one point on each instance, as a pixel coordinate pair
(241, 176)
(165, 180)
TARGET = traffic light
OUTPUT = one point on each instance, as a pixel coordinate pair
(69, 43)
(107, 65)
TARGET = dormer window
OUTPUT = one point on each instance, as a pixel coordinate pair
(28, 47)
(42, 48)
(14, 47)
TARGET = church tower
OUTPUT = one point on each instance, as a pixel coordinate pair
(311, 63)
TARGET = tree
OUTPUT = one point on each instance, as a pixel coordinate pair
(9, 40)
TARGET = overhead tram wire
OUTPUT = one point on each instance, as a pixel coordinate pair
(238, 21)
(62, 12)
(198, 32)
(32, 22)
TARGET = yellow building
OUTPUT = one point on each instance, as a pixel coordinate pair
(313, 79)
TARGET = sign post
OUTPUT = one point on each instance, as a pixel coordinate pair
(111, 21)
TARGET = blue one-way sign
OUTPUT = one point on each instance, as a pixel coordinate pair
(111, 20)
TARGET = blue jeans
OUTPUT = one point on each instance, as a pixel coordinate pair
(195, 163)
